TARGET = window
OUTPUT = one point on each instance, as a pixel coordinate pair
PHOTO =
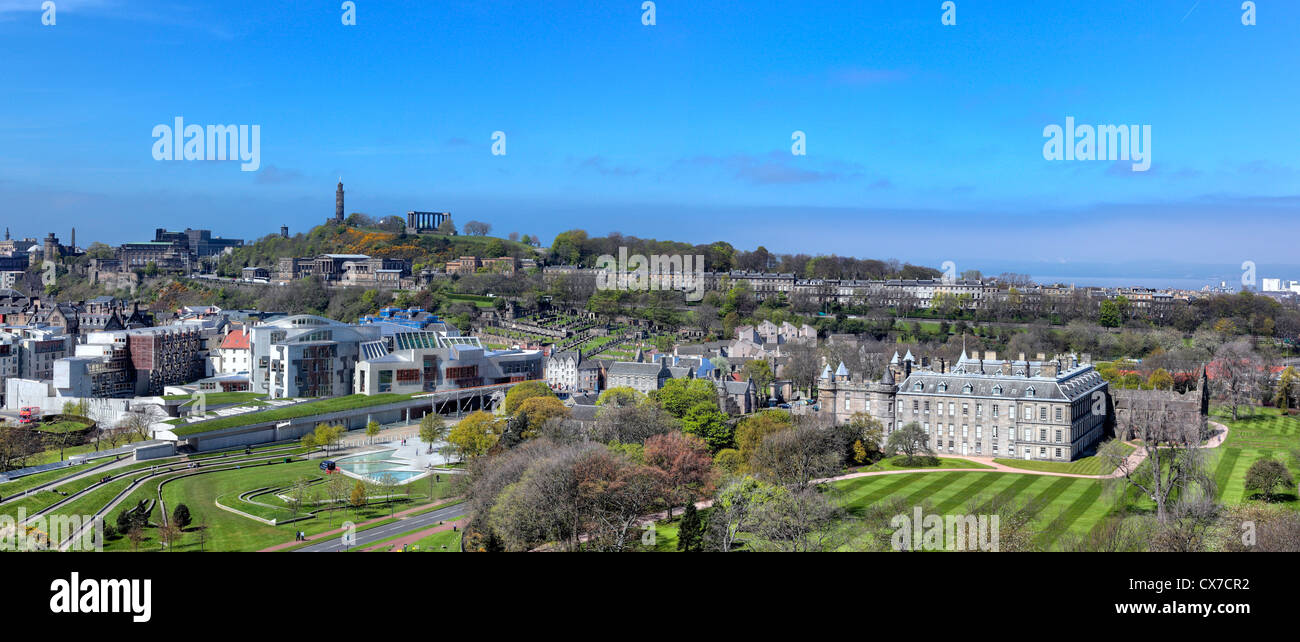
(918, 386)
(1058, 453)
(926, 426)
(1029, 434)
(916, 405)
(1058, 413)
(927, 407)
(997, 390)
(943, 387)
(1042, 434)
(1058, 436)
(1011, 412)
(949, 430)
(995, 433)
(965, 431)
(846, 403)
(995, 411)
(952, 408)
(979, 409)
(1029, 392)
(979, 431)
(965, 409)
(1042, 413)
(966, 389)
(1042, 452)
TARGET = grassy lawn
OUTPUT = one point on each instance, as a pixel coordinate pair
(66, 425)
(226, 531)
(1265, 433)
(1083, 466)
(1064, 504)
(305, 409)
(444, 542)
(219, 398)
(898, 463)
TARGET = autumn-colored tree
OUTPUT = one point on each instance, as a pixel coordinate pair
(523, 391)
(685, 462)
(474, 435)
(751, 431)
(539, 410)
(1161, 380)
(358, 497)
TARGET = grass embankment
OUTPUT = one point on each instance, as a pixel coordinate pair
(305, 409)
(226, 531)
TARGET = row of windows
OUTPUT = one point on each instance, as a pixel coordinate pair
(1027, 412)
(1058, 433)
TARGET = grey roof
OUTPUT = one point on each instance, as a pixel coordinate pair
(841, 371)
(635, 368)
(1070, 386)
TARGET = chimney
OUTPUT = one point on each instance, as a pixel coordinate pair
(992, 356)
(1042, 357)
(1022, 357)
(1006, 368)
(941, 365)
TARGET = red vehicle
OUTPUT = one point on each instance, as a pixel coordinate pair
(29, 414)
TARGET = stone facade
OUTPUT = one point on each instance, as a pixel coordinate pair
(1049, 410)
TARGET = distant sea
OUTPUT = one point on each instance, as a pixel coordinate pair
(1131, 281)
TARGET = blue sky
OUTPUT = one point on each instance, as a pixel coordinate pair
(924, 141)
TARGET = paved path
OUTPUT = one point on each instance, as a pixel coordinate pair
(395, 545)
(327, 542)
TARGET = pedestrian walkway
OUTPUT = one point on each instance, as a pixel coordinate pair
(339, 531)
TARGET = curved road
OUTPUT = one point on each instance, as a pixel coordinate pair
(334, 543)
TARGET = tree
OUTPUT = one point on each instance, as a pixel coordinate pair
(358, 497)
(1237, 375)
(433, 429)
(705, 421)
(685, 463)
(734, 510)
(474, 435)
(1160, 379)
(1170, 437)
(678, 396)
(372, 429)
(446, 227)
(752, 430)
(536, 411)
(337, 490)
(910, 440)
(760, 371)
(327, 435)
(169, 533)
(309, 443)
(477, 228)
(1285, 395)
(620, 396)
(181, 516)
(798, 521)
(690, 532)
(1265, 475)
(796, 457)
(525, 390)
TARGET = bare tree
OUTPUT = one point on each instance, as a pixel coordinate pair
(799, 521)
(1169, 432)
(1238, 375)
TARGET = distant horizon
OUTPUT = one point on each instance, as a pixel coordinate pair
(920, 138)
